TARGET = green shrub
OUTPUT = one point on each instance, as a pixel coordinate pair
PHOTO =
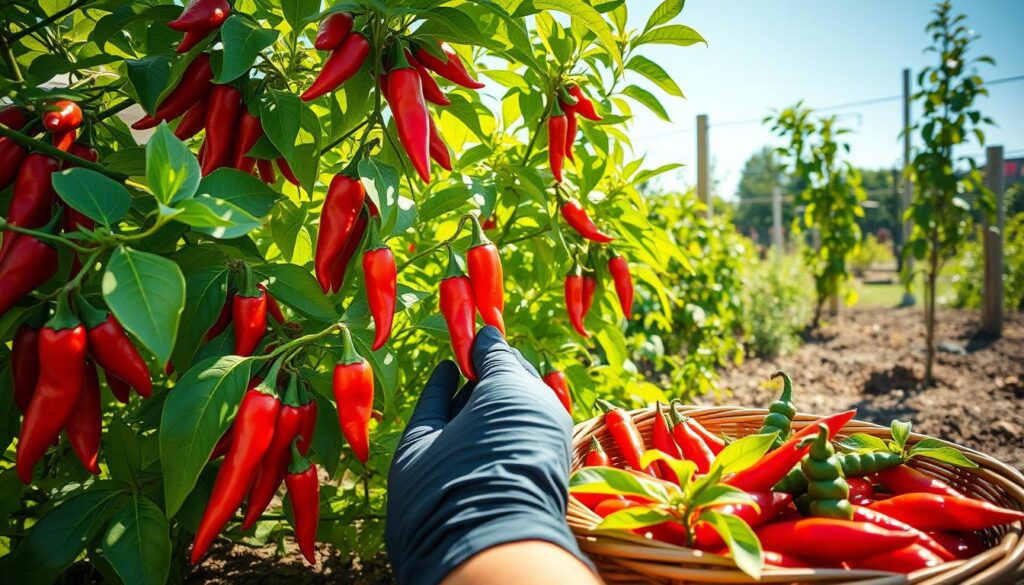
(969, 269)
(776, 306)
(870, 253)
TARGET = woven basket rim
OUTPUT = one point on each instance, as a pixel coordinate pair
(624, 557)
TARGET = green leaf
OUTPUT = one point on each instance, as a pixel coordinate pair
(10, 425)
(590, 17)
(138, 543)
(673, 34)
(297, 12)
(196, 414)
(294, 286)
(216, 217)
(243, 40)
(56, 540)
(721, 495)
(648, 100)
(305, 155)
(123, 454)
(939, 451)
(744, 547)
(241, 190)
(655, 73)
(636, 517)
(281, 116)
(149, 77)
(862, 443)
(381, 183)
(93, 194)
(172, 171)
(742, 453)
(900, 432)
(608, 480)
(146, 293)
(665, 12)
(205, 293)
(683, 469)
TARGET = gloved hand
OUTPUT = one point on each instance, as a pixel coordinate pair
(489, 467)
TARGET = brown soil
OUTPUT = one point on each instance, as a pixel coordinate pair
(873, 360)
(240, 565)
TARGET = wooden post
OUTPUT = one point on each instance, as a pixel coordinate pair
(992, 301)
(908, 187)
(703, 168)
(777, 240)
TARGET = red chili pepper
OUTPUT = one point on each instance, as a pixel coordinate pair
(221, 125)
(556, 140)
(191, 39)
(832, 540)
(84, 424)
(222, 446)
(627, 437)
(223, 319)
(62, 349)
(110, 346)
(459, 313)
(490, 223)
(404, 93)
(671, 532)
(438, 149)
(82, 151)
(619, 269)
(692, 445)
(862, 514)
(29, 263)
(338, 216)
(333, 30)
(25, 364)
(861, 491)
(713, 441)
(597, 456)
(195, 84)
(963, 545)
(266, 170)
(578, 220)
(304, 493)
(570, 132)
(201, 15)
(307, 423)
(764, 474)
(486, 277)
(273, 308)
(121, 390)
(380, 275)
(353, 392)
(349, 251)
(904, 479)
(574, 299)
(275, 460)
(192, 122)
(432, 92)
(252, 432)
(663, 441)
(62, 119)
(340, 66)
(453, 69)
(589, 288)
(286, 170)
(556, 381)
(32, 198)
(248, 314)
(767, 506)
(11, 153)
(935, 512)
(248, 132)
(583, 106)
(905, 560)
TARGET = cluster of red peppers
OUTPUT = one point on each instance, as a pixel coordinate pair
(198, 20)
(245, 310)
(265, 446)
(56, 386)
(581, 285)
(815, 507)
(569, 102)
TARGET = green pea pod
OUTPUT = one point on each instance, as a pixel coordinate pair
(853, 464)
(827, 491)
(781, 412)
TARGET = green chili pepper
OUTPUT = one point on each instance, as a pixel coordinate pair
(781, 412)
(827, 491)
(854, 465)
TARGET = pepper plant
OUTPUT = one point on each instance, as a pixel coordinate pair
(203, 233)
(941, 212)
(831, 199)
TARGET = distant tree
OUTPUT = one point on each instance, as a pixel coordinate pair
(762, 172)
(878, 185)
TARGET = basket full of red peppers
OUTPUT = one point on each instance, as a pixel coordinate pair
(726, 494)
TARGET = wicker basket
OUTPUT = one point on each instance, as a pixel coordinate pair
(625, 558)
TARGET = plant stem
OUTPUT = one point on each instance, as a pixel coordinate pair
(55, 152)
(12, 61)
(436, 246)
(114, 110)
(51, 19)
(343, 138)
(45, 236)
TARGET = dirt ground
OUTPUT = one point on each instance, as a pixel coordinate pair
(873, 360)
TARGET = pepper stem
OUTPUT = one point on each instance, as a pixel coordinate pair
(454, 268)
(605, 405)
(269, 383)
(92, 316)
(299, 464)
(556, 110)
(348, 349)
(373, 240)
(400, 61)
(674, 414)
(479, 237)
(566, 97)
(249, 288)
(291, 395)
(787, 386)
(64, 317)
(595, 445)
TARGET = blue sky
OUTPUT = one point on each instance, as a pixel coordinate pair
(766, 54)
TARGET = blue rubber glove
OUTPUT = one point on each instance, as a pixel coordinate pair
(489, 467)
